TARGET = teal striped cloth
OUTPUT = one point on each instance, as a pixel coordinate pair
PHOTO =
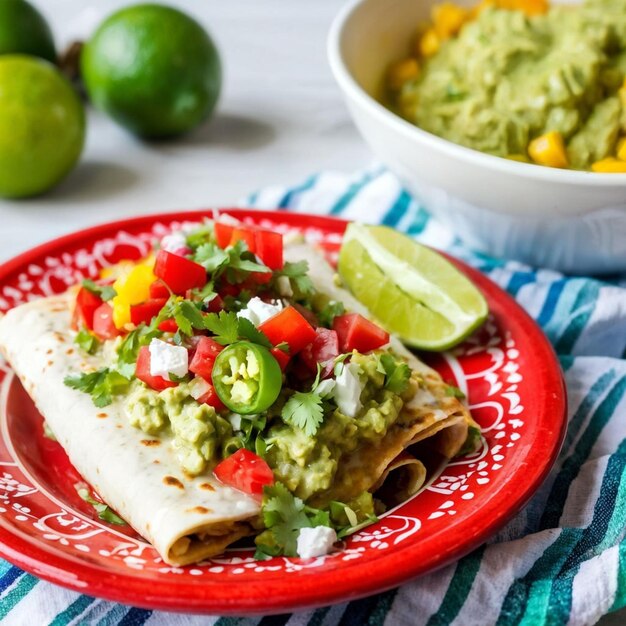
(562, 560)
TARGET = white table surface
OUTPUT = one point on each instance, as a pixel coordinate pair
(280, 118)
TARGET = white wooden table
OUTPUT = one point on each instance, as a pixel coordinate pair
(280, 118)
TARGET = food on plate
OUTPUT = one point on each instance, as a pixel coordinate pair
(227, 386)
(411, 289)
(153, 69)
(42, 126)
(522, 80)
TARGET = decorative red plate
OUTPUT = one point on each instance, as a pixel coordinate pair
(508, 370)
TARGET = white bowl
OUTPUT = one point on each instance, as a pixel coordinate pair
(567, 220)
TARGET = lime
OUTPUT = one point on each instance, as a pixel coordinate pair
(411, 290)
(153, 69)
(23, 30)
(42, 126)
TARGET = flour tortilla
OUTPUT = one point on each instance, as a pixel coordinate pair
(186, 519)
(189, 519)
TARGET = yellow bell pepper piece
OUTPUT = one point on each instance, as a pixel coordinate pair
(132, 287)
(621, 149)
(448, 18)
(429, 43)
(401, 72)
(530, 7)
(549, 150)
(609, 165)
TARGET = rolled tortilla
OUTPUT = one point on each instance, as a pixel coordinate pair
(186, 519)
(401, 480)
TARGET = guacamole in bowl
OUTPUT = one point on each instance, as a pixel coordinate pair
(522, 80)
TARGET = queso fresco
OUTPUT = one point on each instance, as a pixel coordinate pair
(521, 80)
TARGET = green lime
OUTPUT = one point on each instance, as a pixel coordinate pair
(42, 126)
(23, 30)
(412, 290)
(153, 69)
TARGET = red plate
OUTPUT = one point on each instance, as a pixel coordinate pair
(508, 369)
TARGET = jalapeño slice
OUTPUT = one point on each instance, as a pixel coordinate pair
(247, 378)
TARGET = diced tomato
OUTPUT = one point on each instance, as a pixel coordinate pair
(229, 290)
(261, 278)
(245, 471)
(357, 333)
(206, 352)
(215, 305)
(142, 372)
(168, 326)
(158, 289)
(323, 349)
(145, 311)
(86, 305)
(307, 314)
(223, 233)
(246, 234)
(103, 325)
(282, 357)
(212, 399)
(179, 273)
(269, 248)
(288, 326)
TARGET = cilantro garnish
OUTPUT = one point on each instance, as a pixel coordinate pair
(301, 284)
(235, 262)
(454, 392)
(101, 385)
(397, 373)
(304, 410)
(186, 315)
(199, 236)
(129, 348)
(284, 515)
(225, 326)
(104, 512)
(206, 294)
(87, 342)
(105, 292)
(247, 330)
(328, 314)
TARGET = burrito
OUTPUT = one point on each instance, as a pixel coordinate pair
(226, 387)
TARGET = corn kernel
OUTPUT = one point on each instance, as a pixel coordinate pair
(429, 43)
(448, 18)
(530, 7)
(549, 150)
(609, 165)
(477, 9)
(401, 72)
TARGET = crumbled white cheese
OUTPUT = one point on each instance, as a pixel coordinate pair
(316, 541)
(348, 388)
(198, 387)
(174, 241)
(235, 421)
(258, 311)
(326, 387)
(166, 359)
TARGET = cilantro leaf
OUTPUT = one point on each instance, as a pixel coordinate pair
(301, 284)
(304, 411)
(211, 257)
(236, 261)
(87, 342)
(397, 373)
(187, 316)
(247, 330)
(206, 294)
(105, 292)
(284, 515)
(328, 314)
(199, 236)
(225, 326)
(104, 511)
(101, 385)
(454, 392)
(128, 350)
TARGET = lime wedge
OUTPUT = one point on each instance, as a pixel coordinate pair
(411, 290)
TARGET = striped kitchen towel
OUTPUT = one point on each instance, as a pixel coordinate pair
(562, 560)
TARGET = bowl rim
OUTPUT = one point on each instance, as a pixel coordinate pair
(353, 90)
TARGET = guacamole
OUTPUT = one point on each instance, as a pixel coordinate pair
(508, 78)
